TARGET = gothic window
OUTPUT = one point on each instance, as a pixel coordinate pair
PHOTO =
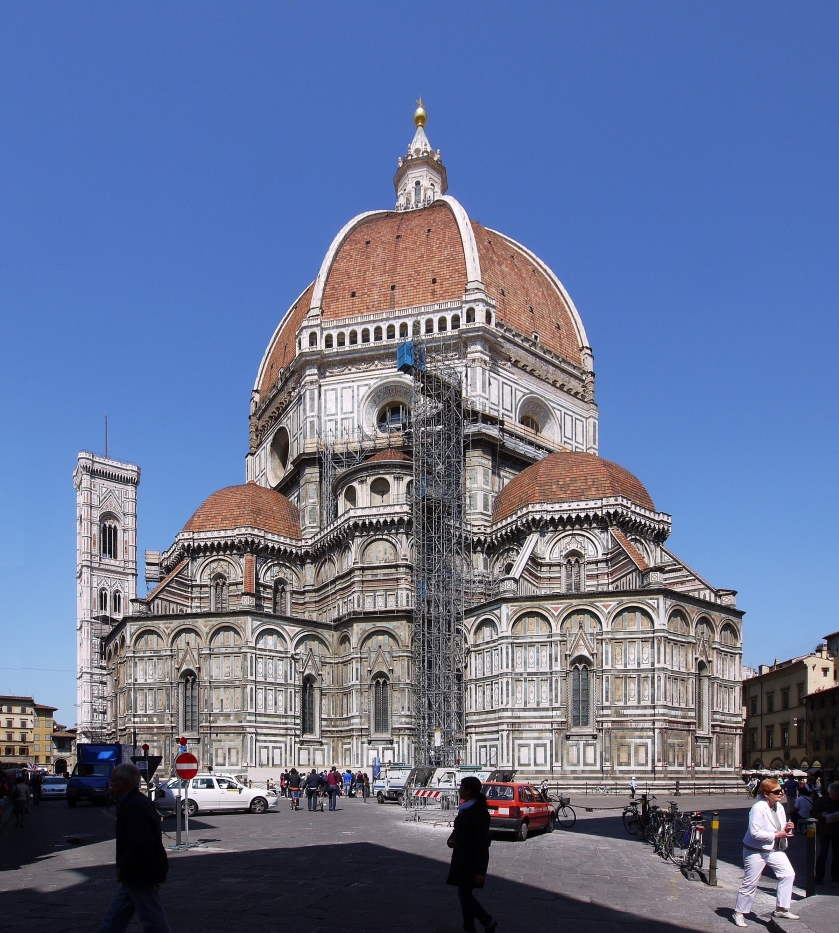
(728, 636)
(381, 708)
(393, 418)
(417, 193)
(117, 603)
(109, 540)
(103, 601)
(574, 574)
(188, 695)
(307, 706)
(218, 594)
(580, 696)
(280, 598)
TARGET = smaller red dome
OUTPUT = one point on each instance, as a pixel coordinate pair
(569, 477)
(390, 453)
(251, 506)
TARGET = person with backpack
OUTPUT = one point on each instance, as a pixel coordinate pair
(470, 842)
(294, 783)
(20, 800)
(333, 786)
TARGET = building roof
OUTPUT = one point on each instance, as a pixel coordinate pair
(569, 477)
(389, 453)
(249, 505)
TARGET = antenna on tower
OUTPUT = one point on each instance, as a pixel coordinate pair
(106, 435)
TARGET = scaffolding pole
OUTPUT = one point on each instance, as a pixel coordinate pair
(440, 550)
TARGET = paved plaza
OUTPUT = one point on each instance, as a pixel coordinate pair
(365, 868)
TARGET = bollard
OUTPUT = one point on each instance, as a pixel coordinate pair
(645, 805)
(712, 864)
(677, 788)
(810, 887)
(178, 814)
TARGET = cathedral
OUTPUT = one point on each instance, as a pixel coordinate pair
(279, 623)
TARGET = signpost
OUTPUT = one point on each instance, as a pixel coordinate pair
(186, 767)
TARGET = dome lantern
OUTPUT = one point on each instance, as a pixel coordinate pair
(421, 175)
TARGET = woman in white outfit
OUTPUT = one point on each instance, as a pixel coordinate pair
(764, 844)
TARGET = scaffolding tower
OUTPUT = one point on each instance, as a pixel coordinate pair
(441, 557)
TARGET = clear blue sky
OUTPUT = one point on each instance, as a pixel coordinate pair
(172, 174)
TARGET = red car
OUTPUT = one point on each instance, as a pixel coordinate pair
(518, 807)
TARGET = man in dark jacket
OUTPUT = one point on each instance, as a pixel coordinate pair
(314, 782)
(470, 843)
(141, 858)
(826, 811)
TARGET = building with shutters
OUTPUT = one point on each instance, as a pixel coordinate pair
(278, 626)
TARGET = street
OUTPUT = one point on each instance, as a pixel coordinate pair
(364, 867)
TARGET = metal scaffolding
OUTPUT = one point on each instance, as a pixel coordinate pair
(441, 554)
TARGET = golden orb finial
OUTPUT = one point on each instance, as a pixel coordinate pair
(420, 114)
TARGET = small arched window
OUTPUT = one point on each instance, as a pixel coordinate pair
(456, 322)
(117, 602)
(350, 497)
(377, 333)
(470, 315)
(429, 325)
(218, 594)
(313, 339)
(109, 540)
(574, 574)
(353, 338)
(489, 317)
(417, 193)
(381, 705)
(365, 335)
(280, 598)
(580, 696)
(403, 330)
(308, 706)
(342, 339)
(188, 702)
(442, 325)
(103, 601)
(327, 342)
(380, 492)
(391, 332)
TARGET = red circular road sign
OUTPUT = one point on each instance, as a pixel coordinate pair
(145, 748)
(186, 765)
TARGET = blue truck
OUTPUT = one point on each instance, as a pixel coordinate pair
(91, 777)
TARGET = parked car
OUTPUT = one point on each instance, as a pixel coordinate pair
(518, 807)
(54, 786)
(214, 792)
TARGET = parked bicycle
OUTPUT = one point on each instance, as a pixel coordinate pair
(694, 853)
(565, 815)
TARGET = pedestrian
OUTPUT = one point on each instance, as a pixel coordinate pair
(826, 811)
(295, 782)
(764, 843)
(20, 800)
(35, 787)
(333, 784)
(470, 844)
(312, 782)
(141, 859)
(791, 789)
(632, 787)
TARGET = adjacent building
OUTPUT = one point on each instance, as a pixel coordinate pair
(26, 728)
(776, 731)
(279, 629)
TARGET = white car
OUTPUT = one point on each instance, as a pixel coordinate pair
(214, 792)
(54, 786)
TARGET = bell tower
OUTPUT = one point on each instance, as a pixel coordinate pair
(106, 576)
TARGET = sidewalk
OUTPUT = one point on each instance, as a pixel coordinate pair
(820, 914)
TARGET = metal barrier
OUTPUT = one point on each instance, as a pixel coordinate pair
(419, 801)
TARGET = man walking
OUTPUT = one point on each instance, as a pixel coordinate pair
(632, 787)
(333, 783)
(312, 787)
(20, 800)
(35, 783)
(826, 811)
(141, 858)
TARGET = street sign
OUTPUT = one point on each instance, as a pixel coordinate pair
(186, 766)
(147, 764)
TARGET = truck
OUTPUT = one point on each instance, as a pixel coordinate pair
(390, 784)
(91, 778)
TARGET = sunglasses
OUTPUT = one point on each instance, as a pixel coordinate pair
(778, 793)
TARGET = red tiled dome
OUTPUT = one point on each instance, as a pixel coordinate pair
(389, 453)
(247, 506)
(404, 259)
(569, 477)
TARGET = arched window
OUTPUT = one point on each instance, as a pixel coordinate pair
(381, 707)
(442, 325)
(218, 594)
(350, 497)
(117, 602)
(456, 322)
(380, 492)
(109, 540)
(489, 317)
(391, 332)
(429, 325)
(188, 702)
(313, 339)
(574, 573)
(327, 341)
(580, 695)
(470, 315)
(307, 706)
(703, 698)
(280, 598)
(342, 340)
(377, 333)
(530, 422)
(365, 335)
(417, 193)
(103, 601)
(403, 329)
(393, 418)
(353, 338)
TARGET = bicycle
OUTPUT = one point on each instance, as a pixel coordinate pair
(695, 852)
(565, 815)
(603, 791)
(631, 818)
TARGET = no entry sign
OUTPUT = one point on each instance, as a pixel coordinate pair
(186, 766)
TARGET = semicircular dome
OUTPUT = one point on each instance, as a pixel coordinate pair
(569, 477)
(249, 506)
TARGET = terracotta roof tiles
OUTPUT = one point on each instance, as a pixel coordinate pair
(249, 505)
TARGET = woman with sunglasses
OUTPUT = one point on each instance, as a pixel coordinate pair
(764, 844)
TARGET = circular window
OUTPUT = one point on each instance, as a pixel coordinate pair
(393, 418)
(278, 456)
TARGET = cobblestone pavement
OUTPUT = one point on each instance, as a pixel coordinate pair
(363, 867)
